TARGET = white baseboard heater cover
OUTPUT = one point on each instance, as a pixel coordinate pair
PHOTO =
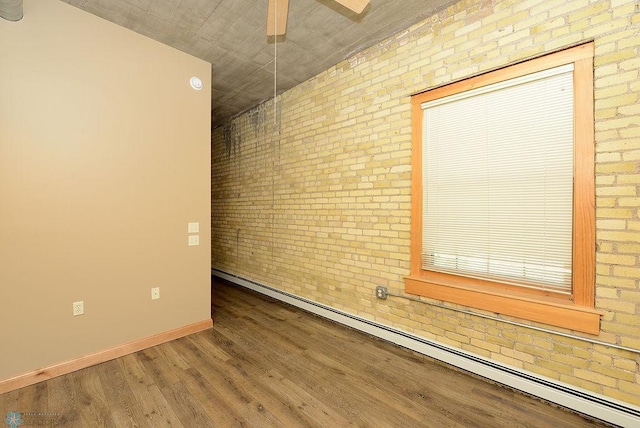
(578, 399)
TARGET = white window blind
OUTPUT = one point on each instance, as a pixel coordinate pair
(498, 181)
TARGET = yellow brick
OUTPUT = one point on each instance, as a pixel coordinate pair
(618, 236)
(532, 350)
(619, 145)
(616, 167)
(626, 271)
(616, 259)
(609, 91)
(628, 179)
(623, 396)
(627, 248)
(601, 359)
(614, 213)
(517, 355)
(548, 25)
(629, 320)
(630, 296)
(602, 114)
(616, 101)
(603, 270)
(588, 12)
(628, 40)
(618, 306)
(616, 56)
(582, 383)
(605, 180)
(628, 77)
(626, 364)
(616, 282)
(565, 363)
(607, 156)
(605, 203)
(612, 372)
(604, 247)
(605, 136)
(616, 191)
(630, 387)
(600, 18)
(632, 133)
(629, 110)
(544, 371)
(596, 378)
(607, 293)
(605, 28)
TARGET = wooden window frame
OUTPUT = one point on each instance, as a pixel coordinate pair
(574, 312)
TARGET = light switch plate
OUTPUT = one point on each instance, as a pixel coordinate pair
(78, 308)
(193, 228)
(194, 240)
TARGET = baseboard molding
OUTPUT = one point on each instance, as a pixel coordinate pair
(36, 376)
(574, 398)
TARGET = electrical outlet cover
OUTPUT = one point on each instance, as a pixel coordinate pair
(381, 292)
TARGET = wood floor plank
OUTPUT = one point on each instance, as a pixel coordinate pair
(62, 399)
(150, 400)
(122, 402)
(207, 393)
(34, 400)
(93, 406)
(183, 404)
(268, 364)
(220, 411)
(239, 392)
(306, 408)
(186, 406)
(9, 402)
(156, 367)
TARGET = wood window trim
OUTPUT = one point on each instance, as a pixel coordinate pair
(575, 312)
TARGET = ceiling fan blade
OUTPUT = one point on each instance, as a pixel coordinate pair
(355, 5)
(277, 17)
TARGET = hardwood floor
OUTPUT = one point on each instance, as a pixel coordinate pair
(267, 364)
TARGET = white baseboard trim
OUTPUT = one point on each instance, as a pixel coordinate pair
(578, 399)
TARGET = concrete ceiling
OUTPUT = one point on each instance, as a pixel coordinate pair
(231, 35)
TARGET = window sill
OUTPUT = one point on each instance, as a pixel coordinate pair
(554, 312)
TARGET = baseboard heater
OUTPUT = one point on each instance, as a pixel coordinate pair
(578, 399)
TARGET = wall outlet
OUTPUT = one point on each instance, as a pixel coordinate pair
(194, 240)
(155, 293)
(193, 227)
(381, 292)
(78, 308)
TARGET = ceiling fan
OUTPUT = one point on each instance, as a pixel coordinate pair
(278, 10)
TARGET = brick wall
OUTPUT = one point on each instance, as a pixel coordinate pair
(312, 196)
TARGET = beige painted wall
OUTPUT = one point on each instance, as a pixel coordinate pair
(319, 205)
(104, 159)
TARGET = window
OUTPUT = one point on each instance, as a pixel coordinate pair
(503, 191)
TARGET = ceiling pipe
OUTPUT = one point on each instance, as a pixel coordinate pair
(11, 10)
